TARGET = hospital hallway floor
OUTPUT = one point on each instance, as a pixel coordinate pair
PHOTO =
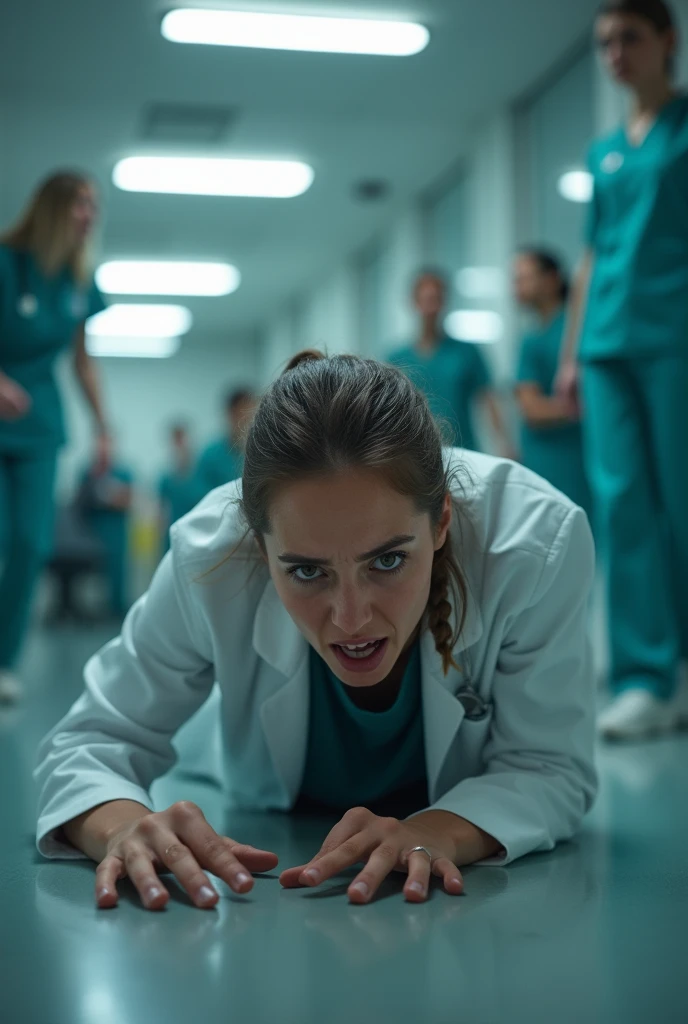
(596, 931)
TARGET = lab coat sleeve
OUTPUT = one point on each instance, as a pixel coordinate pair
(539, 778)
(139, 689)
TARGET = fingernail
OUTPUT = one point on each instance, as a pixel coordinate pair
(154, 892)
(360, 887)
(312, 875)
(102, 893)
(242, 878)
(416, 887)
(206, 894)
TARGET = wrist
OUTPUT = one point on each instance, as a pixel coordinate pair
(469, 843)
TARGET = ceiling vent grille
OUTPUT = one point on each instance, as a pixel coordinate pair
(187, 123)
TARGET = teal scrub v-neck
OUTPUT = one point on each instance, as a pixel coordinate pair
(219, 464)
(638, 231)
(357, 757)
(452, 378)
(39, 317)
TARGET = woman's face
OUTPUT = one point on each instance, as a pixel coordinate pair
(528, 280)
(351, 561)
(633, 50)
(429, 296)
(84, 213)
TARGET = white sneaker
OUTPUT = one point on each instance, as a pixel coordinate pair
(635, 714)
(10, 687)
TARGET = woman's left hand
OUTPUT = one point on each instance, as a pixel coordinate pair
(103, 452)
(384, 843)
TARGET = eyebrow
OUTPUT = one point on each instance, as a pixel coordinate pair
(395, 542)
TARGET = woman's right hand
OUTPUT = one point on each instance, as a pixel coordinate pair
(179, 840)
(566, 386)
(15, 402)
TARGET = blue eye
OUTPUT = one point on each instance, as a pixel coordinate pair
(390, 563)
(397, 559)
(306, 569)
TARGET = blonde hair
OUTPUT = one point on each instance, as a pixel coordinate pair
(44, 227)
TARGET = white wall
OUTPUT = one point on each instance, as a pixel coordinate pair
(401, 253)
(142, 397)
(490, 236)
(328, 318)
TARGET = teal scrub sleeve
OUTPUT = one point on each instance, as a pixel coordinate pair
(164, 488)
(528, 368)
(481, 377)
(593, 216)
(95, 302)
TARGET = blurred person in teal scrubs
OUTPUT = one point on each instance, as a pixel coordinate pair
(551, 434)
(223, 460)
(106, 498)
(46, 296)
(178, 488)
(629, 333)
(454, 375)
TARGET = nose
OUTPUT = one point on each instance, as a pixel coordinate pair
(351, 611)
(616, 51)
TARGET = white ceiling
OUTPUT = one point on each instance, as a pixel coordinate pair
(76, 76)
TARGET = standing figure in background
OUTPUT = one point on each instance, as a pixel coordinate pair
(551, 434)
(46, 296)
(106, 499)
(452, 374)
(223, 460)
(178, 488)
(633, 347)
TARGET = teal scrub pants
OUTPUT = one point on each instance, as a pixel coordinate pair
(27, 510)
(111, 530)
(636, 437)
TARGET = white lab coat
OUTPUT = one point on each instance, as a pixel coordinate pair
(523, 771)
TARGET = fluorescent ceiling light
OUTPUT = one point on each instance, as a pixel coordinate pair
(132, 348)
(213, 176)
(480, 282)
(139, 321)
(576, 186)
(166, 277)
(476, 325)
(295, 32)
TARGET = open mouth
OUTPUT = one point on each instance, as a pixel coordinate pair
(361, 657)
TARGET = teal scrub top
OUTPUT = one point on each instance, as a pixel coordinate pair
(638, 231)
(39, 317)
(451, 378)
(219, 464)
(554, 453)
(356, 757)
(179, 493)
(110, 521)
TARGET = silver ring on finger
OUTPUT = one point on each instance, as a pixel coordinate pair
(421, 849)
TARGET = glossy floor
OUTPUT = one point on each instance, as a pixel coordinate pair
(595, 932)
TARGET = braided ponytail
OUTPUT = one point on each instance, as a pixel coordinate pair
(439, 607)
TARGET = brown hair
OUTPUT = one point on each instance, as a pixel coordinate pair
(655, 11)
(43, 228)
(325, 414)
